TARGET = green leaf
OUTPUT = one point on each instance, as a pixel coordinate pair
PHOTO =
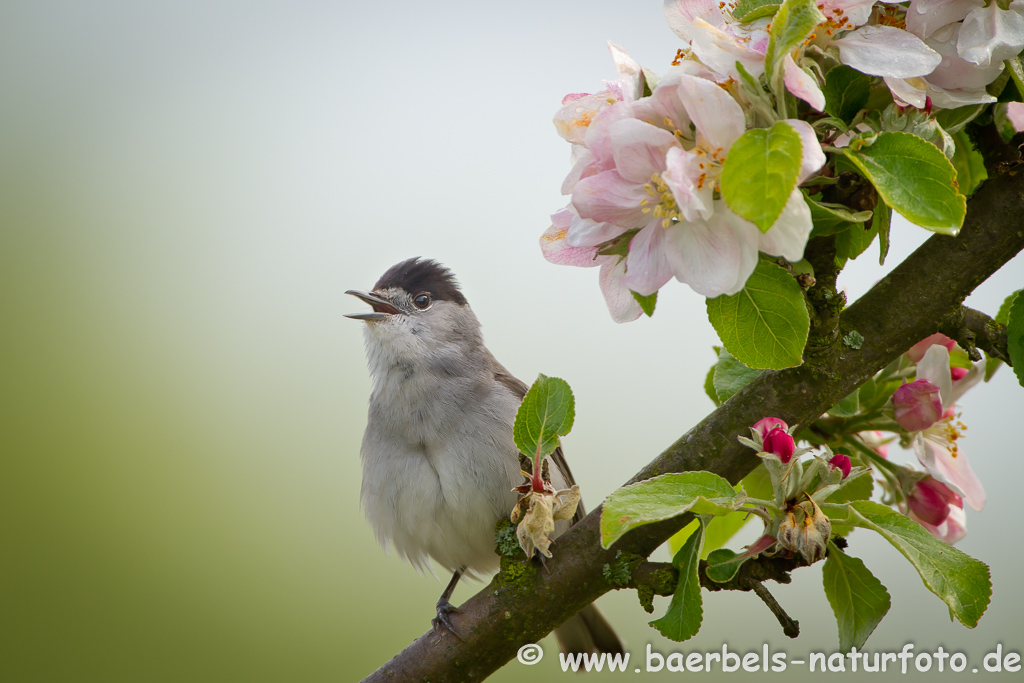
(664, 497)
(969, 164)
(992, 364)
(731, 376)
(686, 610)
(792, 24)
(546, 412)
(953, 120)
(848, 407)
(749, 10)
(766, 324)
(1016, 70)
(832, 218)
(720, 530)
(846, 92)
(858, 599)
(760, 172)
(881, 222)
(961, 581)
(852, 242)
(914, 178)
(1015, 336)
(855, 487)
(723, 565)
(647, 303)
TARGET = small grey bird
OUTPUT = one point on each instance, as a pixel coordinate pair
(439, 460)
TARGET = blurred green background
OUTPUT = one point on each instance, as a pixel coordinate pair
(186, 191)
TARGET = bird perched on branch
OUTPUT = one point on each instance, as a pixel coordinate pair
(439, 460)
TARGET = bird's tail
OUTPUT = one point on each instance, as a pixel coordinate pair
(588, 632)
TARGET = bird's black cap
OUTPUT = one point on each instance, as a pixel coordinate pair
(417, 275)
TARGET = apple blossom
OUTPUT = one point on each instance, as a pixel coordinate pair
(842, 462)
(767, 424)
(779, 443)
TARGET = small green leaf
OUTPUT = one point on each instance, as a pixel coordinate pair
(848, 407)
(709, 385)
(749, 10)
(855, 487)
(830, 219)
(846, 92)
(961, 581)
(686, 610)
(664, 497)
(858, 599)
(760, 172)
(723, 565)
(647, 303)
(881, 222)
(792, 24)
(766, 324)
(953, 120)
(1015, 336)
(731, 375)
(546, 412)
(914, 178)
(969, 164)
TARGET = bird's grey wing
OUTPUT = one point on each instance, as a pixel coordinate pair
(519, 388)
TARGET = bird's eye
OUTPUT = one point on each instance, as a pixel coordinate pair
(422, 301)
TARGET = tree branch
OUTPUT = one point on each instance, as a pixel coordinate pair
(974, 330)
(900, 310)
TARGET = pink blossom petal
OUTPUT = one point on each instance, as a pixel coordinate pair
(647, 267)
(609, 197)
(719, 51)
(917, 406)
(842, 462)
(930, 501)
(778, 442)
(960, 386)
(887, 51)
(951, 469)
(856, 12)
(629, 72)
(714, 112)
(917, 351)
(556, 250)
(802, 84)
(680, 14)
(664, 108)
(585, 232)
(1015, 112)
(788, 235)
(621, 303)
(639, 149)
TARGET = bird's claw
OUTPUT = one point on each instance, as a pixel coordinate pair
(444, 609)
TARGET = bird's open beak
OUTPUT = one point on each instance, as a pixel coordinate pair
(382, 308)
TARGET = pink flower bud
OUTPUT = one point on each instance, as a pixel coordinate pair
(842, 462)
(931, 499)
(917, 351)
(917, 405)
(767, 424)
(957, 374)
(779, 442)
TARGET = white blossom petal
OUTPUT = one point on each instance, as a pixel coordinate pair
(639, 149)
(887, 51)
(720, 51)
(556, 250)
(682, 177)
(925, 17)
(813, 157)
(709, 255)
(992, 35)
(1015, 112)
(934, 367)
(788, 235)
